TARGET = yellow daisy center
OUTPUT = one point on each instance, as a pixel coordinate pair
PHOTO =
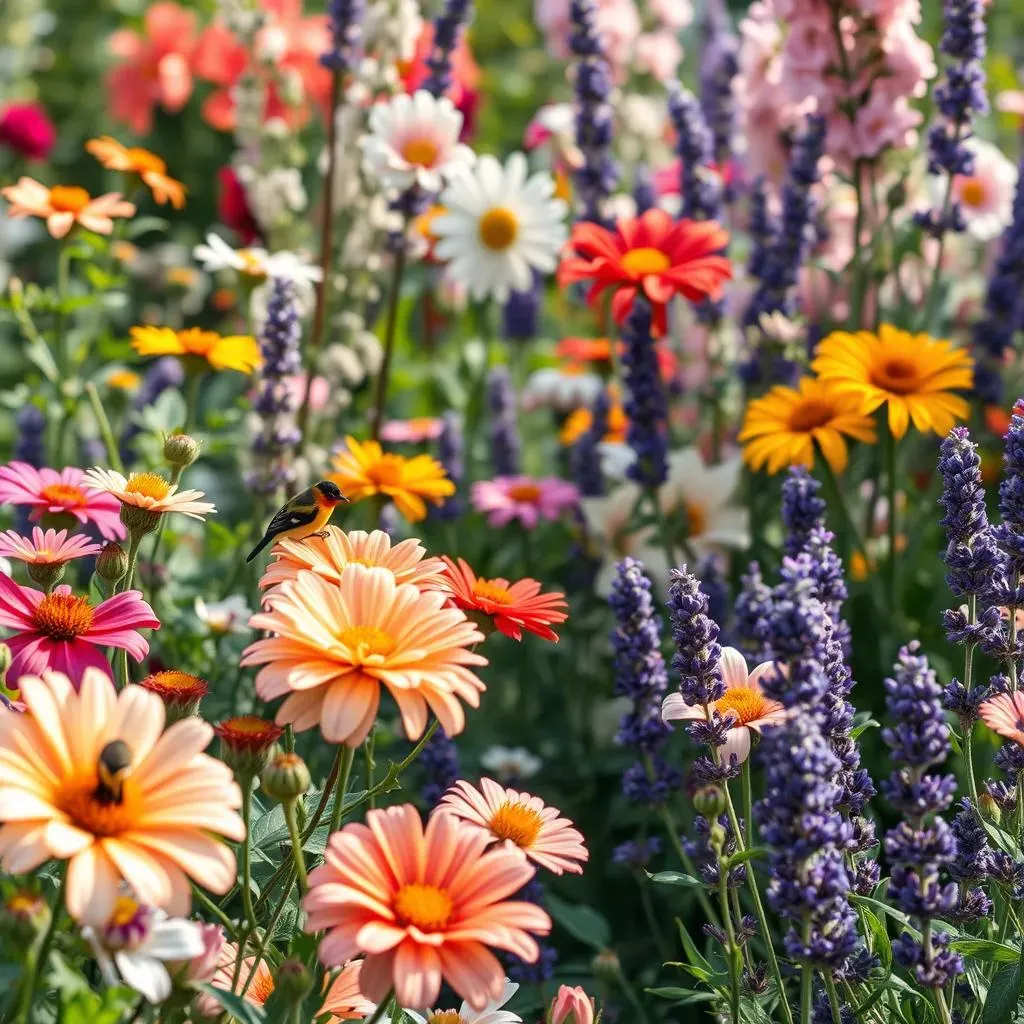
(367, 640)
(144, 162)
(809, 414)
(64, 494)
(489, 590)
(124, 913)
(529, 493)
(515, 821)
(198, 341)
(744, 703)
(252, 263)
(173, 685)
(696, 519)
(423, 906)
(69, 198)
(445, 1017)
(149, 485)
(973, 192)
(897, 374)
(422, 152)
(645, 260)
(123, 380)
(388, 471)
(63, 616)
(498, 228)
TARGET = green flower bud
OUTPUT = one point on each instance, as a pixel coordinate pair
(46, 574)
(246, 744)
(293, 980)
(112, 563)
(139, 521)
(990, 808)
(285, 778)
(25, 915)
(709, 802)
(606, 965)
(180, 450)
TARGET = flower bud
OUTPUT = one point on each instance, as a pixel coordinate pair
(180, 450)
(112, 562)
(571, 1006)
(139, 521)
(246, 743)
(46, 574)
(180, 692)
(709, 802)
(293, 980)
(990, 808)
(285, 778)
(606, 965)
(25, 915)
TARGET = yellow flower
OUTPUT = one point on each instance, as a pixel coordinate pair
(123, 380)
(237, 352)
(579, 422)
(365, 470)
(784, 427)
(914, 375)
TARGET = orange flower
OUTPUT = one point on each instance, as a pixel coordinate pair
(148, 166)
(520, 819)
(334, 644)
(513, 607)
(424, 905)
(64, 206)
(344, 1000)
(1004, 714)
(599, 350)
(93, 778)
(579, 422)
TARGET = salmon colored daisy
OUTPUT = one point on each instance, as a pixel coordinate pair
(52, 547)
(199, 349)
(365, 470)
(181, 692)
(414, 431)
(62, 498)
(64, 206)
(64, 632)
(150, 169)
(149, 492)
(509, 607)
(1004, 714)
(261, 985)
(344, 999)
(93, 778)
(652, 256)
(571, 1006)
(743, 703)
(424, 905)
(328, 556)
(333, 645)
(521, 819)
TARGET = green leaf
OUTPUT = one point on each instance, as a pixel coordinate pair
(244, 1012)
(92, 1008)
(883, 908)
(986, 950)
(693, 954)
(750, 853)
(582, 922)
(681, 996)
(870, 723)
(142, 225)
(676, 878)
(880, 944)
(1002, 995)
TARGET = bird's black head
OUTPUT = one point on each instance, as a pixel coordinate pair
(331, 491)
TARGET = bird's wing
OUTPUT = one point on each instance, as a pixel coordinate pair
(296, 513)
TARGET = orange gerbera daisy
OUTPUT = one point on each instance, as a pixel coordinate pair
(150, 169)
(365, 470)
(424, 905)
(328, 555)
(64, 206)
(652, 256)
(520, 819)
(198, 347)
(512, 607)
(1004, 714)
(334, 644)
(344, 1000)
(93, 778)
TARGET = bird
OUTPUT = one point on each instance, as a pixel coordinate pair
(302, 516)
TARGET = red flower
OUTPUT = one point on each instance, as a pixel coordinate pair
(464, 91)
(513, 607)
(233, 207)
(651, 255)
(25, 128)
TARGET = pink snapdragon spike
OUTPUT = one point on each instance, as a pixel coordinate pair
(50, 492)
(49, 547)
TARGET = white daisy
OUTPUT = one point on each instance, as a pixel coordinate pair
(222, 617)
(986, 196)
(256, 263)
(561, 389)
(414, 140)
(492, 1013)
(508, 763)
(501, 224)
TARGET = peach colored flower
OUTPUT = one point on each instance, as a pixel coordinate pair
(52, 547)
(93, 778)
(334, 644)
(571, 1006)
(520, 819)
(1004, 714)
(744, 703)
(424, 905)
(149, 491)
(344, 1000)
(151, 169)
(64, 206)
(260, 989)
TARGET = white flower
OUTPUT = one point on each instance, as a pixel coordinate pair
(414, 140)
(986, 196)
(222, 617)
(134, 944)
(492, 1013)
(559, 389)
(508, 763)
(500, 226)
(255, 262)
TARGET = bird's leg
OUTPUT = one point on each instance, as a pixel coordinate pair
(323, 534)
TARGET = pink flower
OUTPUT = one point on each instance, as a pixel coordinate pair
(618, 24)
(1004, 714)
(204, 966)
(571, 1006)
(61, 632)
(233, 207)
(25, 128)
(671, 13)
(155, 66)
(744, 702)
(61, 495)
(414, 431)
(524, 498)
(658, 54)
(319, 392)
(49, 548)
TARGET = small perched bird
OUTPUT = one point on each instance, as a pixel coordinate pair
(302, 516)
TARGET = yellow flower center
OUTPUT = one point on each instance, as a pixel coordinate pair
(696, 519)
(897, 374)
(87, 803)
(253, 264)
(423, 906)
(367, 640)
(23, 903)
(973, 192)
(529, 493)
(175, 685)
(421, 152)
(149, 485)
(809, 414)
(515, 821)
(63, 616)
(69, 198)
(143, 161)
(645, 260)
(64, 494)
(498, 229)
(445, 1017)
(489, 590)
(124, 913)
(388, 471)
(743, 703)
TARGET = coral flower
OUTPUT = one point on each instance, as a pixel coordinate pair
(334, 644)
(61, 631)
(1004, 714)
(261, 985)
(424, 905)
(743, 702)
(93, 778)
(512, 607)
(344, 999)
(788, 425)
(364, 470)
(599, 350)
(913, 375)
(329, 555)
(524, 498)
(50, 548)
(520, 819)
(149, 492)
(64, 495)
(652, 256)
(64, 206)
(27, 129)
(414, 431)
(150, 169)
(235, 352)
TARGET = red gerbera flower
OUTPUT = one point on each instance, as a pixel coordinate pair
(651, 255)
(513, 607)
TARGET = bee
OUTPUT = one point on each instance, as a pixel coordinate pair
(113, 766)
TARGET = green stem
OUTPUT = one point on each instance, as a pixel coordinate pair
(370, 765)
(213, 909)
(890, 479)
(268, 932)
(191, 402)
(687, 861)
(296, 838)
(968, 727)
(475, 402)
(806, 981)
(325, 796)
(832, 485)
(342, 789)
(833, 997)
(730, 934)
(390, 326)
(747, 795)
(159, 539)
(250, 912)
(113, 455)
(378, 1014)
(36, 964)
(931, 304)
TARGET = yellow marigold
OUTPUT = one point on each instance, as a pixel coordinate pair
(235, 352)
(913, 375)
(365, 469)
(784, 427)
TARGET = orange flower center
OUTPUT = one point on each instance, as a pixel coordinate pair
(515, 821)
(24, 904)
(529, 493)
(489, 590)
(424, 223)
(124, 913)
(445, 1017)
(743, 702)
(421, 152)
(367, 640)
(696, 519)
(810, 414)
(124, 380)
(973, 192)
(645, 260)
(69, 198)
(897, 374)
(85, 801)
(498, 228)
(64, 494)
(63, 616)
(149, 485)
(198, 341)
(176, 686)
(388, 471)
(248, 732)
(143, 161)
(423, 906)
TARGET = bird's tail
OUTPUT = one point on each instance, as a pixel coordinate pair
(259, 547)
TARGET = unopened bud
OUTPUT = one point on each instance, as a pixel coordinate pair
(139, 521)
(112, 563)
(285, 778)
(246, 743)
(990, 808)
(25, 915)
(180, 450)
(709, 802)
(606, 965)
(293, 980)
(46, 574)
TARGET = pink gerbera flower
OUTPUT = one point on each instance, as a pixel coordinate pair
(524, 498)
(744, 703)
(61, 632)
(414, 431)
(1004, 714)
(520, 819)
(64, 494)
(52, 547)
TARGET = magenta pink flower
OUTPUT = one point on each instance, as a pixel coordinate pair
(52, 547)
(60, 494)
(25, 128)
(62, 632)
(524, 498)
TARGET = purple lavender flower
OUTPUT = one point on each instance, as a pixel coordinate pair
(637, 853)
(753, 616)
(699, 186)
(449, 454)
(585, 456)
(504, 432)
(439, 763)
(972, 864)
(719, 65)
(705, 857)
(763, 230)
(645, 405)
(1010, 533)
(644, 195)
(448, 28)
(521, 312)
(30, 443)
(345, 18)
(698, 656)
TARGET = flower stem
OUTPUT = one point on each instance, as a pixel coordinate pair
(250, 913)
(746, 792)
(325, 796)
(968, 727)
(890, 479)
(36, 962)
(390, 327)
(385, 1004)
(833, 997)
(113, 455)
(687, 861)
(268, 932)
(730, 933)
(296, 838)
